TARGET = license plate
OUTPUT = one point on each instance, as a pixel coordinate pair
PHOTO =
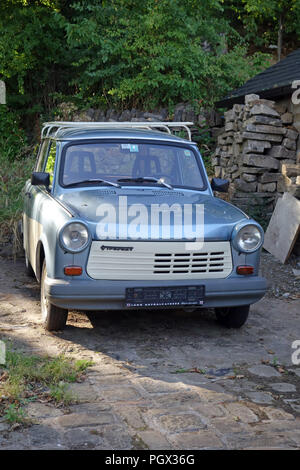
(164, 296)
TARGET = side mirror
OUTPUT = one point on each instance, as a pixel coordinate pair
(218, 184)
(40, 178)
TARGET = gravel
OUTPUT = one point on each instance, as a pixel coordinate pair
(281, 278)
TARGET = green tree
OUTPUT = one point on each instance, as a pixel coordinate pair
(265, 21)
(284, 14)
(155, 52)
(119, 52)
(33, 59)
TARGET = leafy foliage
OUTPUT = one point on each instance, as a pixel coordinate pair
(119, 52)
(145, 54)
(16, 164)
(266, 23)
(271, 10)
(14, 169)
(32, 54)
(12, 136)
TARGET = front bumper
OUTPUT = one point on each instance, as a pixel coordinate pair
(110, 295)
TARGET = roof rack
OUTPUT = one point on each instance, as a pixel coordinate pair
(50, 129)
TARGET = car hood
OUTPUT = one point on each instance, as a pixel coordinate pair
(220, 217)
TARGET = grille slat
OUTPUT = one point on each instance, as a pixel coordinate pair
(210, 262)
(159, 260)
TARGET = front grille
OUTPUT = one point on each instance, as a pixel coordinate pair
(185, 263)
(158, 261)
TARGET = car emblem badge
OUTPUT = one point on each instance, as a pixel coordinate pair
(116, 248)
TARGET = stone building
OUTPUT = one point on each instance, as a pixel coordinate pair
(258, 149)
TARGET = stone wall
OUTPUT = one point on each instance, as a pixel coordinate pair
(207, 119)
(257, 151)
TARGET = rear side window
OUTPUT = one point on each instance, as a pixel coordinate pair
(50, 161)
(43, 153)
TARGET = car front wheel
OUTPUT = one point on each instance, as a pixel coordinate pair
(232, 317)
(54, 318)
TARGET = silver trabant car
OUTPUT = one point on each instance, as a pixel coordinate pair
(123, 216)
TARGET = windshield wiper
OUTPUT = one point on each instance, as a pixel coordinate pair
(95, 180)
(143, 179)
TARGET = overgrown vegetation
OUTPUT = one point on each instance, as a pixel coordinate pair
(27, 378)
(267, 23)
(16, 162)
(128, 53)
(123, 53)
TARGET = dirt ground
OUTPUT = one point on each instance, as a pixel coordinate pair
(164, 380)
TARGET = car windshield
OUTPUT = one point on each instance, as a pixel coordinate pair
(131, 164)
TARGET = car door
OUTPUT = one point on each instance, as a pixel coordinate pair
(31, 225)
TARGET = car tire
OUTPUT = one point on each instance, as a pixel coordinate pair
(28, 267)
(232, 317)
(54, 318)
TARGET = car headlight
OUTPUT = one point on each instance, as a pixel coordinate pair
(74, 237)
(248, 238)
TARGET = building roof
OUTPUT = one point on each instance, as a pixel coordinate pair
(273, 82)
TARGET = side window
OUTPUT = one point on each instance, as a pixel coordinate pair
(42, 156)
(190, 170)
(49, 168)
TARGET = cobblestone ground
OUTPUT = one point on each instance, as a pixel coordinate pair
(161, 380)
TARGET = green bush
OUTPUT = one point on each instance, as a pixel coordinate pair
(132, 53)
(16, 164)
(147, 54)
(12, 180)
(12, 136)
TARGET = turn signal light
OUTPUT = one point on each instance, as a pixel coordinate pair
(73, 270)
(245, 270)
